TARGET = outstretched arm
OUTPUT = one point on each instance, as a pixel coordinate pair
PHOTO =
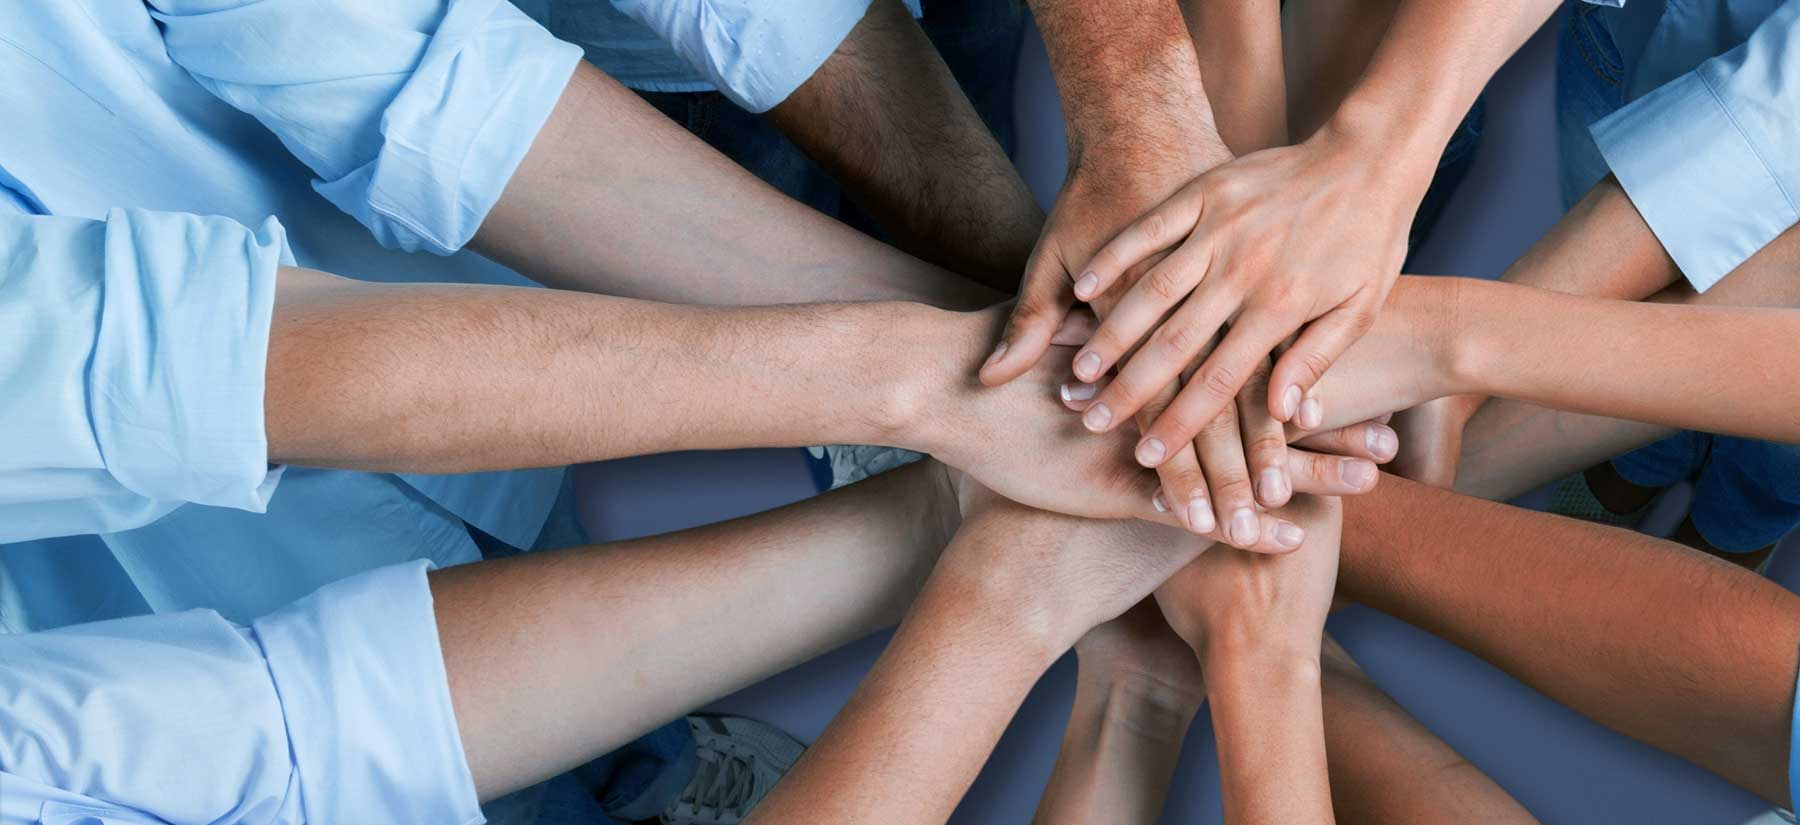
(614, 197)
(1560, 604)
(1012, 592)
(1720, 369)
(382, 377)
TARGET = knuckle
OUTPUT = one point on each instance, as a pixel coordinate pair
(1180, 338)
(1164, 282)
(1314, 363)
(1219, 381)
(1154, 227)
(1267, 446)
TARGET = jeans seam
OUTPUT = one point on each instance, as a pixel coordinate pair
(1584, 44)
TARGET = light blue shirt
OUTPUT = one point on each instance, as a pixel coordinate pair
(133, 330)
(755, 52)
(333, 710)
(1709, 146)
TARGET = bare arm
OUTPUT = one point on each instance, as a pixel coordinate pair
(888, 120)
(1560, 604)
(697, 614)
(1720, 369)
(383, 377)
(615, 198)
(1012, 592)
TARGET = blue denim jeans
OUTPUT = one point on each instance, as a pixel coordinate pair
(632, 783)
(1746, 492)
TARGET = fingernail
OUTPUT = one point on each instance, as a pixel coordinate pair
(1084, 285)
(999, 352)
(1312, 413)
(1383, 442)
(1150, 451)
(1356, 473)
(1273, 486)
(1243, 527)
(1289, 535)
(1097, 417)
(1200, 517)
(1087, 367)
(1157, 501)
(1072, 392)
(1290, 403)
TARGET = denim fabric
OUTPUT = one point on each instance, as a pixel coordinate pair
(1453, 166)
(1746, 492)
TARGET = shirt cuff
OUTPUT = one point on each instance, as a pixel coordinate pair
(755, 53)
(458, 129)
(363, 687)
(1698, 181)
(177, 377)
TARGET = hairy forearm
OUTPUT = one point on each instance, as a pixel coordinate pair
(710, 610)
(615, 198)
(439, 379)
(1239, 49)
(1123, 68)
(916, 731)
(1560, 604)
(1118, 754)
(888, 120)
(1268, 721)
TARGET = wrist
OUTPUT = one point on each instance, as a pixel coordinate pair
(1465, 346)
(1140, 707)
(993, 604)
(1402, 150)
(924, 354)
(1241, 661)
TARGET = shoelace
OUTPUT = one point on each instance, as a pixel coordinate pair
(722, 783)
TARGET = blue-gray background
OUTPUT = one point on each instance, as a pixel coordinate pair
(1563, 768)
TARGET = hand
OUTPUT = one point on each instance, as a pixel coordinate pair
(1230, 602)
(1056, 577)
(1310, 235)
(1409, 357)
(1335, 462)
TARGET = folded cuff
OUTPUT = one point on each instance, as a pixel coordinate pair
(755, 53)
(367, 700)
(1698, 181)
(177, 377)
(458, 129)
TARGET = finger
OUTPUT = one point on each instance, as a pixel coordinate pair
(1181, 341)
(1142, 308)
(1372, 440)
(1043, 303)
(1079, 395)
(1311, 413)
(1216, 384)
(1077, 327)
(1330, 475)
(1164, 226)
(1183, 484)
(1318, 347)
(1221, 453)
(1265, 441)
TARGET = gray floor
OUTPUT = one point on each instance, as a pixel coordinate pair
(1565, 769)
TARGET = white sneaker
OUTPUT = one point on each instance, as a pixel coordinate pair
(851, 463)
(740, 760)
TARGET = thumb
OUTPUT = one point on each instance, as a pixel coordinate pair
(1318, 347)
(1044, 302)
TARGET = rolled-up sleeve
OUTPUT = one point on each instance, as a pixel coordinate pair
(133, 352)
(413, 114)
(334, 709)
(755, 52)
(1712, 158)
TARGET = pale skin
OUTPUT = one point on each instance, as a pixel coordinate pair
(1140, 120)
(1235, 255)
(1012, 593)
